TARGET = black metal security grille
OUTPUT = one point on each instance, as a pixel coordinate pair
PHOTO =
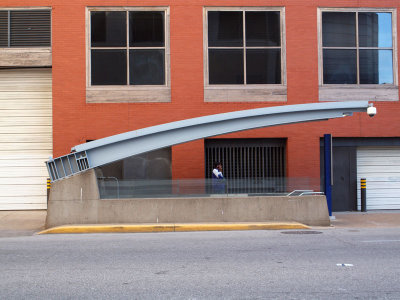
(25, 28)
(249, 165)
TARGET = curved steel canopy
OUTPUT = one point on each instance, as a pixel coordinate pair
(120, 146)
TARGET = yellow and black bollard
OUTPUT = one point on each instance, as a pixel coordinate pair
(48, 189)
(363, 194)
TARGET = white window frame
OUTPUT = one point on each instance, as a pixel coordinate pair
(346, 92)
(245, 92)
(27, 56)
(128, 93)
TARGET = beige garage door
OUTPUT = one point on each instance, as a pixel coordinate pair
(25, 137)
(381, 167)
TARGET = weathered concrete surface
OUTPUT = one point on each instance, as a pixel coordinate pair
(76, 201)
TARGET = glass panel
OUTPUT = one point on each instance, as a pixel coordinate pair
(340, 66)
(108, 67)
(263, 66)
(225, 28)
(108, 29)
(146, 29)
(339, 29)
(376, 66)
(146, 67)
(263, 28)
(226, 66)
(375, 29)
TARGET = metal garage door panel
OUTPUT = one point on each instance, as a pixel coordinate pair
(25, 137)
(23, 121)
(45, 112)
(22, 180)
(25, 129)
(23, 171)
(35, 98)
(21, 190)
(381, 167)
(19, 203)
(380, 161)
(27, 146)
(38, 162)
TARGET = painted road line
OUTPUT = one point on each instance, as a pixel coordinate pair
(345, 265)
(121, 228)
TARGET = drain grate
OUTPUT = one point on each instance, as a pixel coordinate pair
(302, 232)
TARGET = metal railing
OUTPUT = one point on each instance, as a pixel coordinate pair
(114, 188)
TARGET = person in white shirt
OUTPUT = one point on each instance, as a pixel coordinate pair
(218, 182)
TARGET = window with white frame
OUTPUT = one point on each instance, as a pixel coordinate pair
(358, 47)
(244, 54)
(127, 47)
(244, 47)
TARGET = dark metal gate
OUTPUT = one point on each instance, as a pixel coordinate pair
(249, 165)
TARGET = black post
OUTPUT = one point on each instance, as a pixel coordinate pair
(363, 194)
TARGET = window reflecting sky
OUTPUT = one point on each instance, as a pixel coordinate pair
(385, 29)
(385, 66)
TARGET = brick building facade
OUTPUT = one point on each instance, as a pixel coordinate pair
(214, 57)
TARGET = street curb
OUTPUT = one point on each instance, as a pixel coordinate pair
(168, 227)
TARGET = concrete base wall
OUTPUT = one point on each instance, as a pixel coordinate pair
(76, 201)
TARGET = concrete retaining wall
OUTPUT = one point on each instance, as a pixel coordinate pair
(76, 200)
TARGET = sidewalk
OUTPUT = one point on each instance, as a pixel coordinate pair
(369, 219)
(25, 223)
(21, 223)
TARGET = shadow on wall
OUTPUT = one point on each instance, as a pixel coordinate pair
(150, 165)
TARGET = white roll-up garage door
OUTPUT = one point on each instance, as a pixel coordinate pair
(25, 137)
(381, 167)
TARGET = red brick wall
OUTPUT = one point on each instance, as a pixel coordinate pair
(74, 121)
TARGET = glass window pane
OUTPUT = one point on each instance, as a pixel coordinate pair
(225, 28)
(375, 29)
(376, 66)
(146, 67)
(339, 29)
(263, 66)
(108, 67)
(340, 66)
(226, 66)
(263, 28)
(146, 29)
(108, 29)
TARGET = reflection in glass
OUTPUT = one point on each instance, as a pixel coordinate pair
(376, 67)
(263, 66)
(339, 29)
(108, 29)
(226, 66)
(225, 28)
(375, 29)
(263, 28)
(146, 29)
(146, 67)
(108, 67)
(340, 66)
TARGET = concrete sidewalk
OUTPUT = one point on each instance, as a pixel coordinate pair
(370, 219)
(21, 222)
(25, 223)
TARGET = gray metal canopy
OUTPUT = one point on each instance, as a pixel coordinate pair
(113, 148)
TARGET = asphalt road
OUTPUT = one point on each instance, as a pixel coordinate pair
(330, 264)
